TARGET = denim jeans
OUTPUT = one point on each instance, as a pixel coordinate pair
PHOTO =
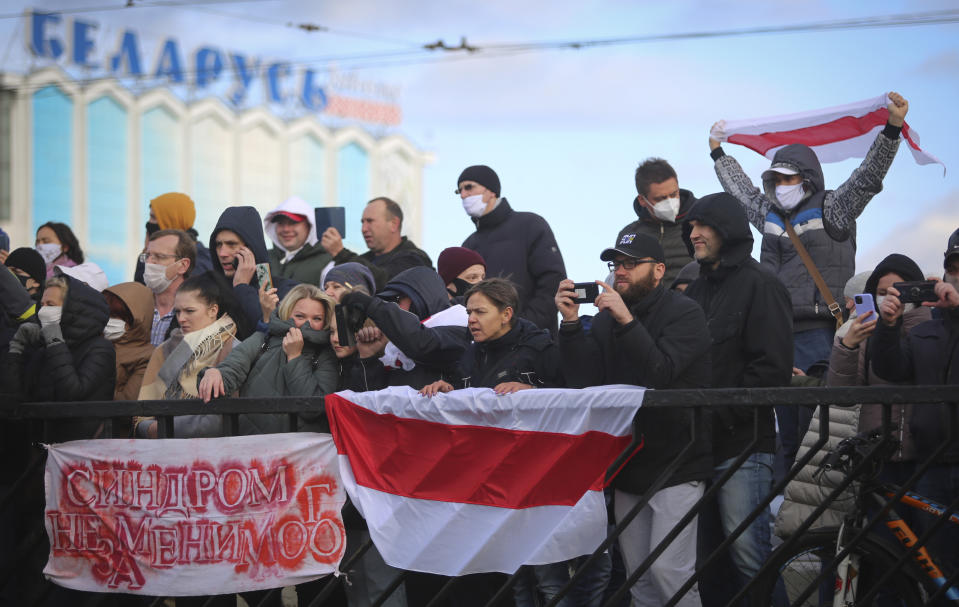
(548, 580)
(744, 490)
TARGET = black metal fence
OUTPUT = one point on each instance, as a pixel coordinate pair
(802, 571)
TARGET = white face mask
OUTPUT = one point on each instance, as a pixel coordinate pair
(49, 315)
(789, 195)
(115, 329)
(154, 276)
(49, 251)
(474, 205)
(666, 209)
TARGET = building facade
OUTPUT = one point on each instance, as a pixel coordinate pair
(92, 156)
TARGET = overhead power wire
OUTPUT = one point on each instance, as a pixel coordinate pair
(427, 54)
(132, 4)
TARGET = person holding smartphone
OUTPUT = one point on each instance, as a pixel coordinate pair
(646, 335)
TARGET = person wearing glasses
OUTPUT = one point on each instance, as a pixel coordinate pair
(647, 335)
(516, 245)
(169, 258)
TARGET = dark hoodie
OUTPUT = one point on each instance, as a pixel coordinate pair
(435, 350)
(81, 367)
(669, 233)
(246, 223)
(750, 322)
(525, 354)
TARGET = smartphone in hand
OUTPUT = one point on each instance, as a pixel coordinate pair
(586, 292)
(864, 303)
(263, 275)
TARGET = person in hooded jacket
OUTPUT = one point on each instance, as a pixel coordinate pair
(661, 206)
(237, 245)
(131, 317)
(297, 253)
(750, 325)
(30, 271)
(850, 365)
(419, 337)
(66, 358)
(293, 359)
(928, 355)
(824, 222)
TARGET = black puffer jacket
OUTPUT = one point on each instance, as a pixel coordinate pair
(521, 247)
(668, 233)
(666, 346)
(750, 322)
(435, 350)
(81, 367)
(246, 223)
(928, 356)
(525, 354)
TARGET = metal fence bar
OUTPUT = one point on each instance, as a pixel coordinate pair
(231, 408)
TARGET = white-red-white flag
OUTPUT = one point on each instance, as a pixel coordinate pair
(470, 482)
(834, 133)
(187, 517)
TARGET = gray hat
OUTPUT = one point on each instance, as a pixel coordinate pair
(353, 274)
(856, 284)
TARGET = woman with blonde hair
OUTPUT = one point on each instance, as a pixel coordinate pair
(292, 358)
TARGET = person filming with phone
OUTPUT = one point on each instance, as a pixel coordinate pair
(646, 335)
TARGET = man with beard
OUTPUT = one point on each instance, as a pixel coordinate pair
(647, 335)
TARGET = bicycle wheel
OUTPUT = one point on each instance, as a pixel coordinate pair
(793, 571)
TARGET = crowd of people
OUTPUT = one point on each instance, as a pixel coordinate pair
(685, 306)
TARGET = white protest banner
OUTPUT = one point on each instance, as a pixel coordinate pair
(193, 517)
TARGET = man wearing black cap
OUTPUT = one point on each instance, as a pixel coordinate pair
(30, 268)
(516, 245)
(750, 324)
(950, 260)
(647, 335)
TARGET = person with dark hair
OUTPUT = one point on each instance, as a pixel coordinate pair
(30, 268)
(508, 353)
(389, 251)
(238, 246)
(660, 207)
(174, 211)
(460, 268)
(58, 246)
(647, 335)
(293, 359)
(168, 260)
(516, 245)
(131, 316)
(849, 365)
(348, 277)
(748, 313)
(204, 336)
(65, 357)
(928, 355)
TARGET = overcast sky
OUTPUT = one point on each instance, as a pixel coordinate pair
(565, 129)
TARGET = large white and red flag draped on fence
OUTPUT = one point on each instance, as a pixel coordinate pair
(834, 133)
(470, 482)
(193, 517)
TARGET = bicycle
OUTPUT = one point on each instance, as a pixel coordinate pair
(828, 567)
